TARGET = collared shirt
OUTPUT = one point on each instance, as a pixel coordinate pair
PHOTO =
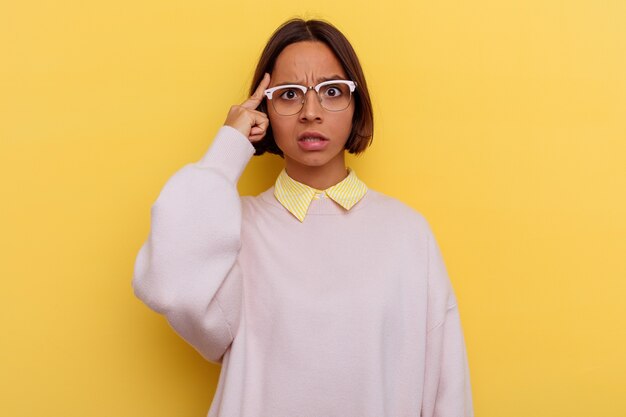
(296, 196)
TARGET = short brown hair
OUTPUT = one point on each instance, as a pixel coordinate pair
(298, 30)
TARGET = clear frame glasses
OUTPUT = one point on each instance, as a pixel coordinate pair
(334, 95)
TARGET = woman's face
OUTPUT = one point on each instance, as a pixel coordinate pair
(308, 63)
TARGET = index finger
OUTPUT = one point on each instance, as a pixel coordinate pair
(256, 98)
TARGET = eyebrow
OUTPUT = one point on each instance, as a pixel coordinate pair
(319, 80)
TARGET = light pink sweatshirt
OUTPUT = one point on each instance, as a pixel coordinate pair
(348, 314)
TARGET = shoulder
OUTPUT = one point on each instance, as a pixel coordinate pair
(394, 210)
(259, 204)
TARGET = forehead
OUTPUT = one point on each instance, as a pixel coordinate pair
(306, 61)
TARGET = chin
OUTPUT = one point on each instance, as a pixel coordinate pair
(311, 160)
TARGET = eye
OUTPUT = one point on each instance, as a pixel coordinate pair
(333, 90)
(288, 94)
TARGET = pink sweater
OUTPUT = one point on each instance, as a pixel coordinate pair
(348, 314)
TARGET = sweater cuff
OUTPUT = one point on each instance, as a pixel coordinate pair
(229, 153)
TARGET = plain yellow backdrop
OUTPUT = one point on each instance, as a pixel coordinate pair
(503, 122)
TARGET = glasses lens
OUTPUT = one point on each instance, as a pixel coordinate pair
(287, 101)
(335, 97)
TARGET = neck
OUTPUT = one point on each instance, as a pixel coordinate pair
(319, 177)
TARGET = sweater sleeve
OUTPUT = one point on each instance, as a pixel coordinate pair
(187, 268)
(447, 390)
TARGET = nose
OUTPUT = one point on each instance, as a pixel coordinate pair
(312, 107)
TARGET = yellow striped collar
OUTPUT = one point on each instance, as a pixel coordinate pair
(296, 196)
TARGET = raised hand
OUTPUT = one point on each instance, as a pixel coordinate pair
(245, 118)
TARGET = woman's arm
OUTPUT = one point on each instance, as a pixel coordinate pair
(447, 390)
(187, 269)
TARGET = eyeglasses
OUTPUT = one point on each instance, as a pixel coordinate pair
(334, 95)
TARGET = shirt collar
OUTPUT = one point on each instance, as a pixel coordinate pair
(296, 196)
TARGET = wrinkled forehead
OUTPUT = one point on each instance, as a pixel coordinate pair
(306, 63)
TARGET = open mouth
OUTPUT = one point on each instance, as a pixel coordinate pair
(312, 139)
(311, 136)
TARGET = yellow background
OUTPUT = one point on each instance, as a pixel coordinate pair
(503, 122)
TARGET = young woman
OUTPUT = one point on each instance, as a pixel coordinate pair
(319, 297)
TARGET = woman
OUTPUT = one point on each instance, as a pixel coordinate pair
(319, 297)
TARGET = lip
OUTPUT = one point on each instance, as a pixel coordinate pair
(311, 134)
(312, 146)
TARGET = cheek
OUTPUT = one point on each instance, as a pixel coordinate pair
(343, 123)
(275, 122)
(281, 128)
